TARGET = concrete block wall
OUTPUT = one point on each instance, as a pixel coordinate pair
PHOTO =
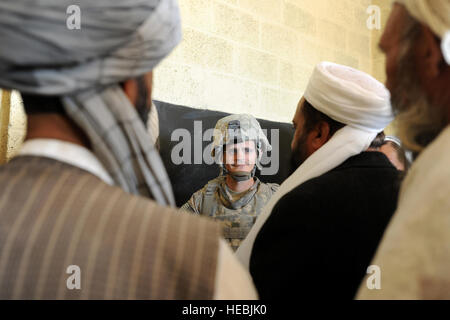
(16, 125)
(256, 56)
(378, 58)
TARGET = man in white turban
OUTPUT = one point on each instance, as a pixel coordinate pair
(414, 255)
(318, 233)
(85, 206)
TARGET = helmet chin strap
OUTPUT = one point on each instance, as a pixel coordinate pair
(240, 176)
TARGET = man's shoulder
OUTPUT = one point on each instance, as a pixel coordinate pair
(28, 170)
(104, 219)
(348, 180)
(79, 185)
(81, 194)
(429, 175)
(435, 159)
(329, 181)
(269, 187)
(209, 188)
(351, 172)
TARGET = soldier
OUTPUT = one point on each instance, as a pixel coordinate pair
(236, 197)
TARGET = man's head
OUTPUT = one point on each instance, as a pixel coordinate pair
(138, 91)
(49, 61)
(338, 96)
(238, 146)
(312, 130)
(417, 74)
(99, 73)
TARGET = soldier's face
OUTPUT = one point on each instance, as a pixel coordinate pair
(240, 157)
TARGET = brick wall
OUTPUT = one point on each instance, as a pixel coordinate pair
(16, 126)
(256, 56)
(378, 60)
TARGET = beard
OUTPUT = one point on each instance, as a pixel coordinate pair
(419, 122)
(143, 105)
(299, 154)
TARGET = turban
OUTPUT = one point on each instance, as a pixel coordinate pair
(346, 95)
(436, 15)
(114, 41)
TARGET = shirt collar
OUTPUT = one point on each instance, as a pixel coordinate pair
(225, 194)
(67, 152)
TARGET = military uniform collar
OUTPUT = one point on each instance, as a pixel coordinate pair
(224, 192)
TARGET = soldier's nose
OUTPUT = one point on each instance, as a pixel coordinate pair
(241, 157)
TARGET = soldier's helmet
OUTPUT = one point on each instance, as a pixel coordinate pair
(238, 128)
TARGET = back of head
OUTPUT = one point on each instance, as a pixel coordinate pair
(425, 111)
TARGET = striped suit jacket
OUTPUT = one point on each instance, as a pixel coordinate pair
(64, 234)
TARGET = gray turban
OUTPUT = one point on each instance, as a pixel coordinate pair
(116, 41)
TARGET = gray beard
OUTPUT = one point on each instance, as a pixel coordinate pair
(419, 122)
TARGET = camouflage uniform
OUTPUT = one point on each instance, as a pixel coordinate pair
(216, 201)
(236, 211)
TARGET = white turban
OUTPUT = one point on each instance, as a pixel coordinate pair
(348, 96)
(436, 15)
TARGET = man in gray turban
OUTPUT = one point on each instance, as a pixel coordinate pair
(414, 255)
(76, 218)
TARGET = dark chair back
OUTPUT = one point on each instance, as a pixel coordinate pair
(185, 149)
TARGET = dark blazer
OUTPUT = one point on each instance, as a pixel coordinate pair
(54, 215)
(321, 236)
